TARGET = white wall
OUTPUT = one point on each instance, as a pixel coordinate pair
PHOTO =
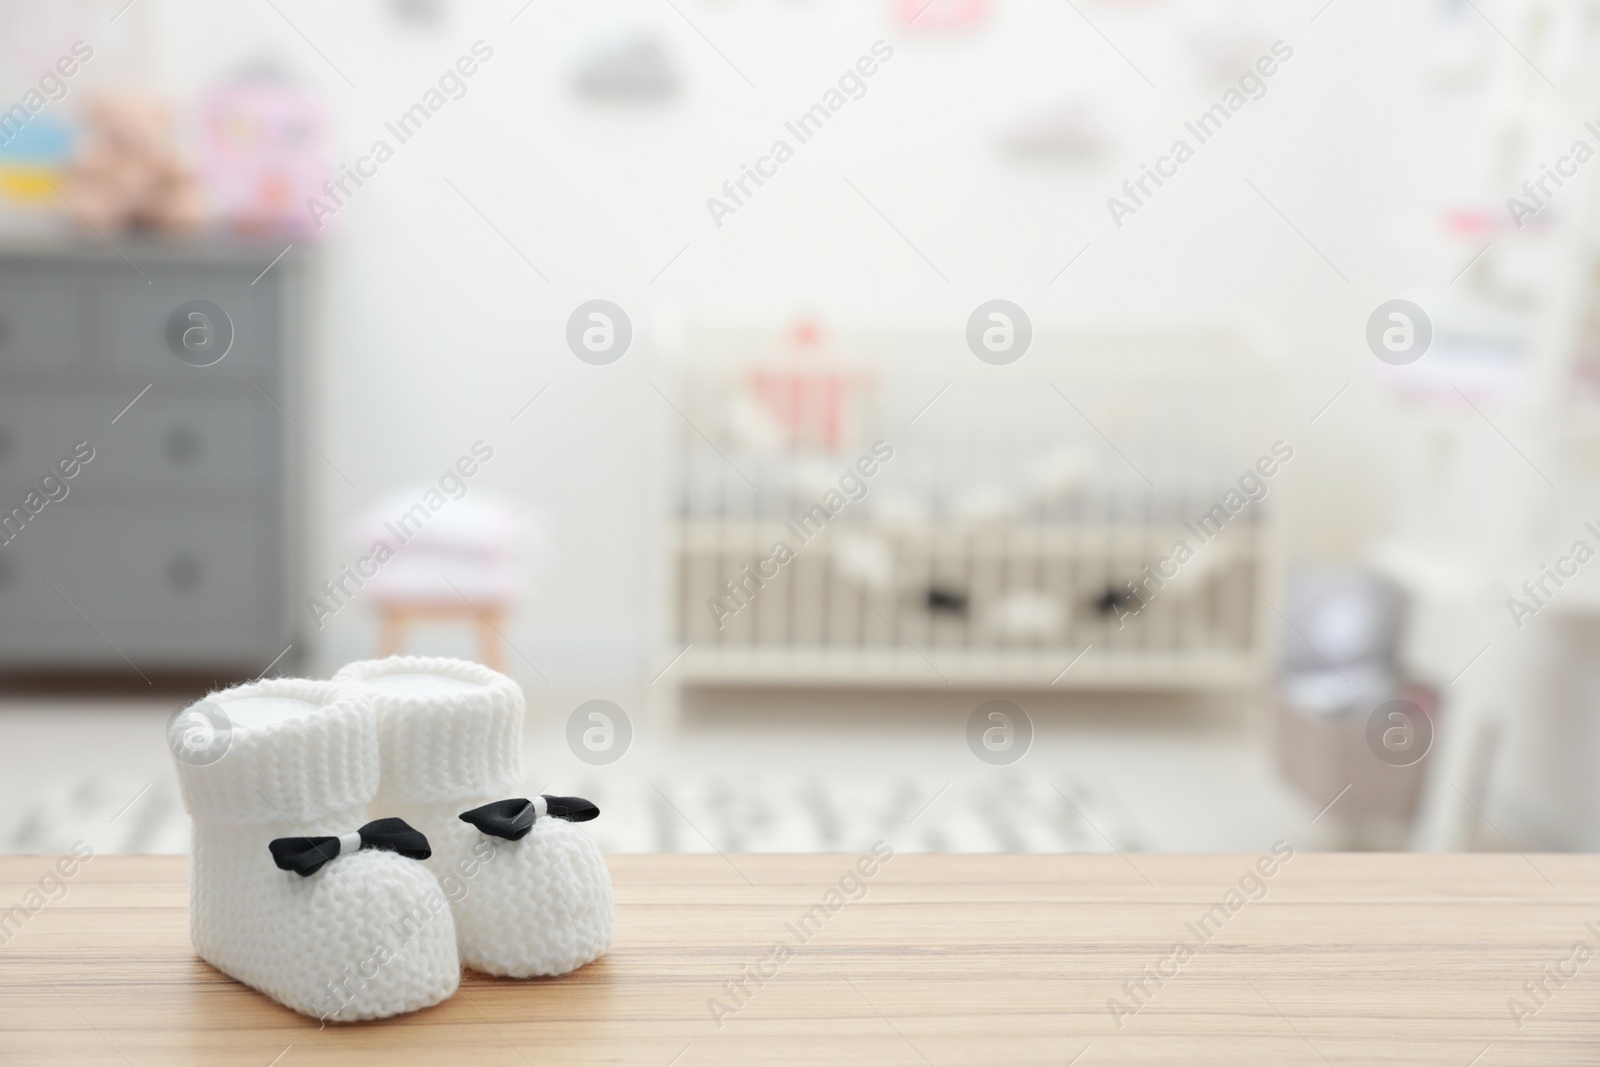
(434, 332)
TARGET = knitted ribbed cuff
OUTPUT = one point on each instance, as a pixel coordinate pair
(301, 768)
(439, 747)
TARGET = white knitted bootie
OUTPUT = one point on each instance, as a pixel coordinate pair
(531, 894)
(291, 764)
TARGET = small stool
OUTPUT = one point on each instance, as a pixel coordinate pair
(487, 619)
(460, 564)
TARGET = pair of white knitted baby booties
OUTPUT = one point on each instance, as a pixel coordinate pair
(304, 885)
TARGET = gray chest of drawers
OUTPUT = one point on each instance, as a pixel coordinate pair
(174, 548)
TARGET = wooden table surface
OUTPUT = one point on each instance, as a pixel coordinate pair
(1343, 959)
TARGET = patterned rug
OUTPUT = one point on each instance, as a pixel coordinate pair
(1002, 812)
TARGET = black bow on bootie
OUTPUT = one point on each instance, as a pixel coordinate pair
(512, 819)
(306, 855)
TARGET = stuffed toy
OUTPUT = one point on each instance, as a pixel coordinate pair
(128, 174)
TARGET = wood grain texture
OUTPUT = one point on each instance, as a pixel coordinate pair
(946, 960)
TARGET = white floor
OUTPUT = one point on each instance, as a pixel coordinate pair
(758, 772)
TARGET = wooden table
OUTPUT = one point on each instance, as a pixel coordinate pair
(959, 960)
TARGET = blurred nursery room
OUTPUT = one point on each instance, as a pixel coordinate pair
(1097, 427)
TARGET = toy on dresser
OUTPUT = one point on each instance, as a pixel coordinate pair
(128, 173)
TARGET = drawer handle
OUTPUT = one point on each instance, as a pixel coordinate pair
(182, 445)
(183, 572)
(8, 573)
(6, 442)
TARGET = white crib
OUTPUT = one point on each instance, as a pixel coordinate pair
(1004, 543)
